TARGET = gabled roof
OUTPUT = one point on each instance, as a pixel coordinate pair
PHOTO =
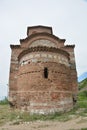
(39, 27)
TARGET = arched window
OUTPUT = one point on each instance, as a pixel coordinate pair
(45, 72)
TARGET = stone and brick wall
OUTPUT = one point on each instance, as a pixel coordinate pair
(43, 76)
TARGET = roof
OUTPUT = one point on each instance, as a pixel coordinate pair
(39, 26)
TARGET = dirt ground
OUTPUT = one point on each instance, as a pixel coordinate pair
(73, 124)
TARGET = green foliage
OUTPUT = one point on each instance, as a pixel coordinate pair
(83, 84)
(82, 99)
(25, 117)
(82, 96)
(84, 129)
(81, 129)
(82, 104)
(4, 101)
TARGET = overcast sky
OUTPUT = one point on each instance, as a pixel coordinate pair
(68, 19)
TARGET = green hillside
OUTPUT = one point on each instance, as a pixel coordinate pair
(83, 84)
(82, 95)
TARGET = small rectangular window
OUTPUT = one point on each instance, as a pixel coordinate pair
(45, 72)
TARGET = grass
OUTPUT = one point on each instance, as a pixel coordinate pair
(84, 129)
(82, 100)
(15, 116)
(82, 96)
(4, 102)
(80, 129)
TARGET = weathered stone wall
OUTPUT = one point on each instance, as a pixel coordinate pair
(70, 50)
(35, 57)
(14, 66)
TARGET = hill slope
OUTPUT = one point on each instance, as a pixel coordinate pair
(83, 85)
(82, 77)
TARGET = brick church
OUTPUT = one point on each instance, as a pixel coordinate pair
(43, 77)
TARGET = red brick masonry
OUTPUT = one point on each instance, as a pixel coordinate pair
(43, 76)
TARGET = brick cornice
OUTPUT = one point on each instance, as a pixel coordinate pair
(71, 46)
(14, 46)
(43, 49)
(41, 34)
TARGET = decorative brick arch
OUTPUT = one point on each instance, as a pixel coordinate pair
(42, 36)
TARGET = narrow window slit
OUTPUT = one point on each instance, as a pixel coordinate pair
(46, 72)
